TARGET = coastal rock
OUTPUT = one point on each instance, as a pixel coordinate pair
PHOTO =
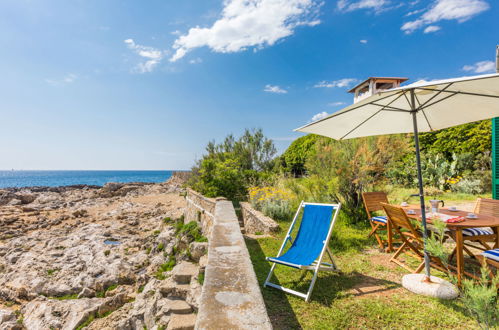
(6, 197)
(26, 198)
(43, 313)
(95, 250)
(6, 316)
(198, 249)
(112, 186)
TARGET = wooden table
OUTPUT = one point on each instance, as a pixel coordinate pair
(481, 221)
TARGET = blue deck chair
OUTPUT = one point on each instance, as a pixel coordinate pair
(310, 244)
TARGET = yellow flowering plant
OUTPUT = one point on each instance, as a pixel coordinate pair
(272, 202)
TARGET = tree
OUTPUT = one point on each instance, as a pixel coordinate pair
(473, 138)
(229, 168)
(295, 157)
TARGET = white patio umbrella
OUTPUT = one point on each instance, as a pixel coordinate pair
(419, 107)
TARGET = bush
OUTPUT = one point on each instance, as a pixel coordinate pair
(229, 168)
(341, 170)
(272, 202)
(295, 157)
(468, 186)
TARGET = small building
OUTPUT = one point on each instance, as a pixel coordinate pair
(373, 85)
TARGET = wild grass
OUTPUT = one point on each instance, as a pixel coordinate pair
(336, 303)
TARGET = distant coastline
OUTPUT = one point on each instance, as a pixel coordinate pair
(47, 178)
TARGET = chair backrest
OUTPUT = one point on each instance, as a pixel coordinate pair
(487, 206)
(315, 228)
(399, 220)
(373, 200)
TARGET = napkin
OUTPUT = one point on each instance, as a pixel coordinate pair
(445, 218)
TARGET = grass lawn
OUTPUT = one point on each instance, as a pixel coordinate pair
(366, 295)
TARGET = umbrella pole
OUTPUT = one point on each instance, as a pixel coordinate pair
(420, 184)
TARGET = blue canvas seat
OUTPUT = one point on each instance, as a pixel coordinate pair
(477, 231)
(491, 254)
(380, 219)
(310, 244)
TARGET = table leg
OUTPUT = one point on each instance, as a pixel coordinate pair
(496, 231)
(459, 255)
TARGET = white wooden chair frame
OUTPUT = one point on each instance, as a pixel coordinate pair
(316, 265)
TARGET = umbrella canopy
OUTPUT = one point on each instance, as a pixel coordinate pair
(422, 106)
(439, 104)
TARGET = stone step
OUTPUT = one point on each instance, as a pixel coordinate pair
(182, 322)
(169, 288)
(178, 306)
(183, 272)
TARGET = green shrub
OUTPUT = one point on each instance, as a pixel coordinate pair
(468, 186)
(51, 272)
(167, 266)
(295, 157)
(272, 202)
(201, 278)
(229, 168)
(192, 231)
(481, 297)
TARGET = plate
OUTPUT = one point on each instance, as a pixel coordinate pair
(456, 210)
(473, 217)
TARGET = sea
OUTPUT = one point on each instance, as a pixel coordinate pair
(15, 178)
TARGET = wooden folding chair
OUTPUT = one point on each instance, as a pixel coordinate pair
(412, 239)
(483, 235)
(372, 203)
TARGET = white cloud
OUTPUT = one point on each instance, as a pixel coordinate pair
(152, 56)
(336, 104)
(249, 23)
(341, 83)
(319, 116)
(274, 89)
(481, 67)
(363, 41)
(432, 28)
(67, 79)
(376, 5)
(460, 10)
(196, 60)
(176, 33)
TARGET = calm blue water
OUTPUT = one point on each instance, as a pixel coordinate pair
(66, 178)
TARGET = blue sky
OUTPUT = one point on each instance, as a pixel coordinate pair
(92, 84)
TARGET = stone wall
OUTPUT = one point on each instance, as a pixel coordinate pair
(256, 222)
(200, 209)
(231, 297)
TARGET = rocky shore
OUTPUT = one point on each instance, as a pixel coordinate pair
(88, 257)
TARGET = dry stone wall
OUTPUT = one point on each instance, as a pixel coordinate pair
(256, 222)
(231, 297)
(200, 209)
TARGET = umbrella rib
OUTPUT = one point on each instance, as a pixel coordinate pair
(382, 109)
(440, 91)
(427, 121)
(459, 92)
(354, 108)
(389, 108)
(353, 129)
(408, 102)
(438, 101)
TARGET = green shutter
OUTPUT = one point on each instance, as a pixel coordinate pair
(495, 158)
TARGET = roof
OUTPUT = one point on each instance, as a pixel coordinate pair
(400, 79)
